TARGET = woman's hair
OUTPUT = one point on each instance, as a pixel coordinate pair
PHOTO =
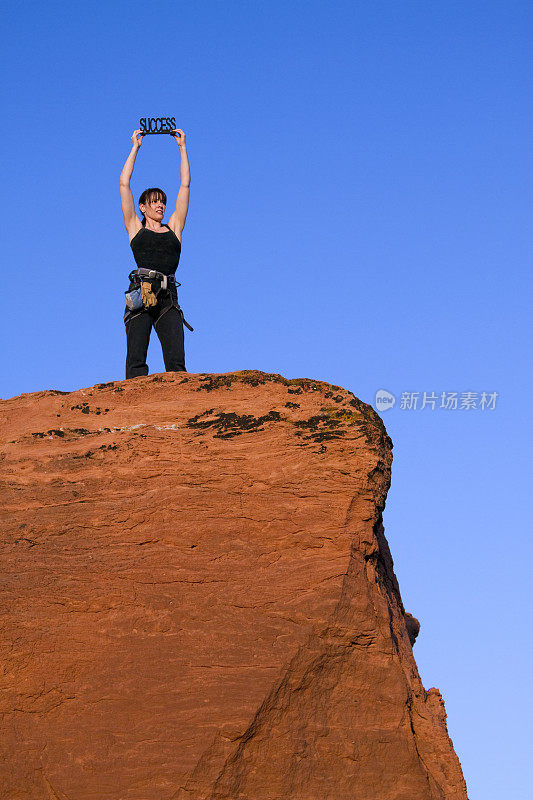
(149, 195)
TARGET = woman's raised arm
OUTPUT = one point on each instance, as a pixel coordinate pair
(177, 220)
(131, 220)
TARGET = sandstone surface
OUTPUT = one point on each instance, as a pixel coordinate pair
(199, 602)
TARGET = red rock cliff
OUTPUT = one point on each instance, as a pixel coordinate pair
(199, 601)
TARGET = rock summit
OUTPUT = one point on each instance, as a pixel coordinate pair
(199, 602)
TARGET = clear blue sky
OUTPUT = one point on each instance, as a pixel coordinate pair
(360, 213)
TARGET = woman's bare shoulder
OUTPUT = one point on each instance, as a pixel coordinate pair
(134, 229)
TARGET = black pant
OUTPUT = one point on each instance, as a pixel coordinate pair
(167, 319)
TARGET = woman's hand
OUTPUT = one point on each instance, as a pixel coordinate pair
(136, 141)
(179, 136)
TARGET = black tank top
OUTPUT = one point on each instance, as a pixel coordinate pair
(160, 251)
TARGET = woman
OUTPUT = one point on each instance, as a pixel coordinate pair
(152, 296)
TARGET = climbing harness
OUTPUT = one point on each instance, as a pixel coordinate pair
(142, 295)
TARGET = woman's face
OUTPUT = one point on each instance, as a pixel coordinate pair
(154, 209)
